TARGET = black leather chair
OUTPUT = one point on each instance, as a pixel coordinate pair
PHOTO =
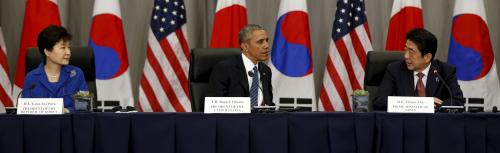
(202, 60)
(82, 57)
(376, 64)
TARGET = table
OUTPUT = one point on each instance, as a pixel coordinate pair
(313, 132)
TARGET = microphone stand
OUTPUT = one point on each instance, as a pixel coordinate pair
(452, 108)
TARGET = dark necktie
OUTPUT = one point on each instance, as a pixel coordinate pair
(420, 88)
(254, 89)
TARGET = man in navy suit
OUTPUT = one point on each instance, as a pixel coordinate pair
(417, 74)
(245, 75)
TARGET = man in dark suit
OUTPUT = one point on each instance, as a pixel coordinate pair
(245, 75)
(417, 74)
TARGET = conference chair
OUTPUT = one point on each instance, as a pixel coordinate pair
(376, 64)
(202, 60)
(82, 57)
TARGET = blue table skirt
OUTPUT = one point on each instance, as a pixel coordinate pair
(251, 133)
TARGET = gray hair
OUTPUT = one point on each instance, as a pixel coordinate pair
(244, 33)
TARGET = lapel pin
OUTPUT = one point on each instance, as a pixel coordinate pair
(72, 73)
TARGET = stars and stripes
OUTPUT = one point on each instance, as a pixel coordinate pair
(349, 14)
(163, 84)
(168, 16)
(345, 64)
(5, 85)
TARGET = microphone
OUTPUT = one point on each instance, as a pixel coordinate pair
(14, 109)
(32, 86)
(250, 73)
(435, 70)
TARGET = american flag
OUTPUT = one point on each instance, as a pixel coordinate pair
(164, 86)
(345, 65)
(5, 85)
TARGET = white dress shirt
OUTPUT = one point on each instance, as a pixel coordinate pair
(424, 78)
(249, 67)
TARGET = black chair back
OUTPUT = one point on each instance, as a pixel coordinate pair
(376, 64)
(201, 63)
(81, 57)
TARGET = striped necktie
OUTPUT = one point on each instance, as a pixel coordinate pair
(254, 89)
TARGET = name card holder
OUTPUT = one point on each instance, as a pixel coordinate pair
(402, 104)
(227, 105)
(40, 106)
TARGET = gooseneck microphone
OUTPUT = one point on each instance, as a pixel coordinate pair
(452, 106)
(436, 72)
(32, 86)
(251, 74)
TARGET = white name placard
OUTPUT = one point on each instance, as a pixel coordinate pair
(401, 104)
(227, 105)
(40, 106)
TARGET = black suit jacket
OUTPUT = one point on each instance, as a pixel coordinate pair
(399, 81)
(230, 79)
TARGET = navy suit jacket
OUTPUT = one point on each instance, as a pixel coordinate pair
(399, 81)
(230, 79)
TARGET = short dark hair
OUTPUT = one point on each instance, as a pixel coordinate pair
(426, 41)
(48, 38)
(245, 32)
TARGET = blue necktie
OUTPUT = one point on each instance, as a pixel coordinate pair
(254, 89)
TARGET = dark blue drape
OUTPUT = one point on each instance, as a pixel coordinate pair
(251, 133)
